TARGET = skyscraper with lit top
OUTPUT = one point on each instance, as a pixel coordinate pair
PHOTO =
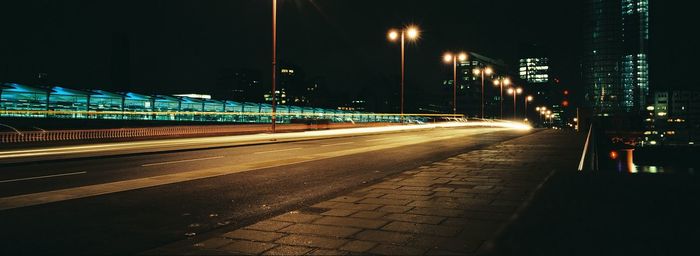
(615, 61)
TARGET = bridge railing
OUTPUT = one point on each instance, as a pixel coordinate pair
(167, 131)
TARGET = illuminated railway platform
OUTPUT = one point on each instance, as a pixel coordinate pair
(18, 100)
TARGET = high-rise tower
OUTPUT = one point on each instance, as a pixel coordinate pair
(615, 60)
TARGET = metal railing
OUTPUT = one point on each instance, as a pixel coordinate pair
(167, 131)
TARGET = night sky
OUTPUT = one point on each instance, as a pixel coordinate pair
(181, 46)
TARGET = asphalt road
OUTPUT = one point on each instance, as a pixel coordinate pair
(132, 203)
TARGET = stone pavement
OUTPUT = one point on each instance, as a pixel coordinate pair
(456, 206)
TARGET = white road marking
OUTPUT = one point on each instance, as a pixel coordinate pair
(182, 161)
(42, 177)
(337, 144)
(275, 151)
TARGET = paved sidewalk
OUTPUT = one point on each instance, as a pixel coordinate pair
(455, 206)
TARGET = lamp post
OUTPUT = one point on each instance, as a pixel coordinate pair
(449, 57)
(412, 32)
(274, 64)
(527, 99)
(543, 111)
(501, 81)
(487, 71)
(515, 92)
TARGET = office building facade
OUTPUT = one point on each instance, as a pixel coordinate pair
(615, 61)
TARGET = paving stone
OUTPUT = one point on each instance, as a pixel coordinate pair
(490, 208)
(287, 250)
(386, 249)
(351, 222)
(269, 225)
(346, 199)
(436, 212)
(213, 243)
(435, 204)
(358, 246)
(320, 230)
(339, 212)
(253, 235)
(312, 241)
(385, 201)
(417, 183)
(325, 205)
(247, 247)
(409, 188)
(408, 227)
(296, 217)
(373, 195)
(425, 191)
(425, 219)
(407, 197)
(356, 207)
(324, 252)
(199, 251)
(452, 194)
(443, 189)
(369, 214)
(383, 236)
(395, 208)
(385, 186)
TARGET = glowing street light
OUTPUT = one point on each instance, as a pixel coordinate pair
(501, 81)
(482, 71)
(449, 57)
(515, 92)
(529, 98)
(413, 33)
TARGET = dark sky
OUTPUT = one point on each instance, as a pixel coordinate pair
(180, 46)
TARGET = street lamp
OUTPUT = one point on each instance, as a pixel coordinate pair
(529, 98)
(449, 57)
(478, 71)
(515, 92)
(274, 64)
(413, 33)
(501, 81)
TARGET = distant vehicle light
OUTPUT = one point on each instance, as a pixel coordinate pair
(613, 155)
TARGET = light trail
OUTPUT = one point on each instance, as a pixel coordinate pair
(244, 139)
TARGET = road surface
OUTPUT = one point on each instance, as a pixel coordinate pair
(126, 204)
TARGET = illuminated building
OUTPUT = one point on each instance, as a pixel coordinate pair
(24, 101)
(676, 118)
(534, 70)
(615, 60)
(469, 86)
